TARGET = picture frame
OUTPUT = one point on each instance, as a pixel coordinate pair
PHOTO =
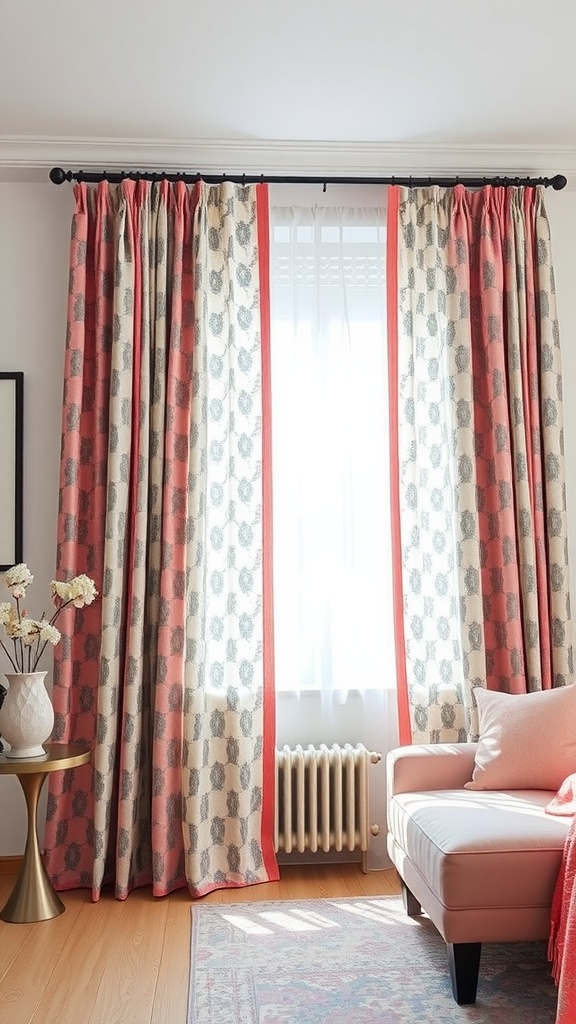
(11, 468)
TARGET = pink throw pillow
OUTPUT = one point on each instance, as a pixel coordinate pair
(527, 740)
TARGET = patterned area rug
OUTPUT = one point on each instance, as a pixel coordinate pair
(351, 961)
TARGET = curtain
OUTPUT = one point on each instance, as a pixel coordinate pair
(164, 501)
(477, 456)
(333, 632)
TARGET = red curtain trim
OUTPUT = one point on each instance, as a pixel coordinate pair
(269, 708)
(404, 723)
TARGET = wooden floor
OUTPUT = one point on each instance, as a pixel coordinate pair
(127, 963)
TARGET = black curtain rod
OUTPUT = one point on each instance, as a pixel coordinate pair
(58, 177)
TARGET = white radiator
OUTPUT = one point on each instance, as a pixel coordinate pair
(322, 798)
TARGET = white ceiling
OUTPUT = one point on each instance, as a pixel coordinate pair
(424, 73)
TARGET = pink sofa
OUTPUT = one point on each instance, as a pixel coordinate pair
(481, 864)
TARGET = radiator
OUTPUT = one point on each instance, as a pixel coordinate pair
(322, 798)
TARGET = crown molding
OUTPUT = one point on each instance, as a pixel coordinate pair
(31, 157)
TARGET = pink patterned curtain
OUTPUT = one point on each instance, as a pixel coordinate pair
(480, 526)
(164, 502)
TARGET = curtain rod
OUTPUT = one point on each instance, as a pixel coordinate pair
(59, 176)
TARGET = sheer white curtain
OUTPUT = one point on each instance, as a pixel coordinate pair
(334, 647)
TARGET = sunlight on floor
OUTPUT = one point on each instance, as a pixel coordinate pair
(371, 911)
(246, 924)
(289, 922)
(298, 920)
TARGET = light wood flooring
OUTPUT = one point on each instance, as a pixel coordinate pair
(127, 962)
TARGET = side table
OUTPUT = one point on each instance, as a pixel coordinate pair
(33, 897)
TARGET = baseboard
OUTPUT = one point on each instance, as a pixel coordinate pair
(10, 865)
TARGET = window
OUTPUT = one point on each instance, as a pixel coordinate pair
(332, 564)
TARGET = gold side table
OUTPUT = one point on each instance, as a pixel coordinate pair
(33, 897)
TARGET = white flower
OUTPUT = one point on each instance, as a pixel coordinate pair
(20, 628)
(33, 633)
(17, 579)
(30, 636)
(48, 633)
(80, 591)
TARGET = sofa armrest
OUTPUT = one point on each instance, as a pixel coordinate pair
(423, 767)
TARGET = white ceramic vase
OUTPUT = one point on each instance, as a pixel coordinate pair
(27, 715)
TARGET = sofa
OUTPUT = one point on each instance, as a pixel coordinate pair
(480, 862)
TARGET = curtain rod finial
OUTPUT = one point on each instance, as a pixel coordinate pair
(58, 176)
(559, 181)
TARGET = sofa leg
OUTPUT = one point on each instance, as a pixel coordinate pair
(464, 963)
(411, 905)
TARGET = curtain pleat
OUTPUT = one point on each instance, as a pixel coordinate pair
(161, 502)
(481, 510)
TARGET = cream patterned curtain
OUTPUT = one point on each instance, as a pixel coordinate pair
(224, 721)
(480, 522)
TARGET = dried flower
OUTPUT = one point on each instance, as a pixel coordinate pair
(17, 579)
(79, 591)
(30, 636)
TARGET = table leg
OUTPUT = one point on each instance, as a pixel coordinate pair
(33, 897)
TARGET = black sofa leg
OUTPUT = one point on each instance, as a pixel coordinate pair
(464, 963)
(411, 905)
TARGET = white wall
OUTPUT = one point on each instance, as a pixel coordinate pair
(34, 237)
(34, 240)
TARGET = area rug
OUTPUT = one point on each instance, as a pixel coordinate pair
(350, 961)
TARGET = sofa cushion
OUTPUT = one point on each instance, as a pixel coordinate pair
(481, 849)
(527, 741)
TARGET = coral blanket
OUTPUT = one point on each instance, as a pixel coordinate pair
(562, 944)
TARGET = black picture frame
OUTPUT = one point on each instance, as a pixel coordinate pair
(12, 469)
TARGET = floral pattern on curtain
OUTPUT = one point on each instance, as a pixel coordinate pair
(163, 487)
(480, 531)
